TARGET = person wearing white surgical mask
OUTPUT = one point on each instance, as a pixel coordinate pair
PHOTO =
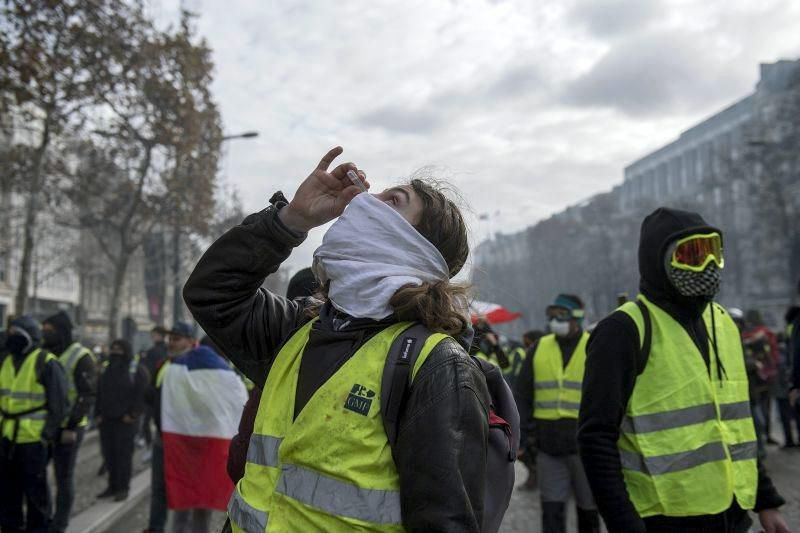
(319, 458)
(548, 392)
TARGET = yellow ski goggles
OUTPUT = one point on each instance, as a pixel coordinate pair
(695, 252)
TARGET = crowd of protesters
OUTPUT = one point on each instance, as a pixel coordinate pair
(362, 398)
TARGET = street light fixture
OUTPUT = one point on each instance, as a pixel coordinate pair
(245, 135)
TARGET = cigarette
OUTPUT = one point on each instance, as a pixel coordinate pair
(356, 180)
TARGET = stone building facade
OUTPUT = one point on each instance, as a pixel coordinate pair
(740, 169)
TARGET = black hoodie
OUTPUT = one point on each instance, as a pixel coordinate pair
(614, 361)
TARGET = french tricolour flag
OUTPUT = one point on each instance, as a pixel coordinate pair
(201, 403)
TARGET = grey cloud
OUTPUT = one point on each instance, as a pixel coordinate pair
(606, 18)
(401, 120)
(656, 74)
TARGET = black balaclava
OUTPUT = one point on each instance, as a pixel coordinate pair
(60, 339)
(120, 351)
(27, 339)
(660, 229)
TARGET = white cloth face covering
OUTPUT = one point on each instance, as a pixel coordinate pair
(369, 253)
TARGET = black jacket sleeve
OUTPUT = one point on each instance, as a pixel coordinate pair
(224, 293)
(611, 369)
(441, 444)
(54, 381)
(85, 376)
(524, 396)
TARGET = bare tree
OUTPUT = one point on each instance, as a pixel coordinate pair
(155, 140)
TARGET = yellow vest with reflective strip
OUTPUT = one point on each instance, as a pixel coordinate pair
(515, 358)
(687, 441)
(69, 360)
(331, 468)
(557, 390)
(21, 392)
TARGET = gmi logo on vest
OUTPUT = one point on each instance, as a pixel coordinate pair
(359, 400)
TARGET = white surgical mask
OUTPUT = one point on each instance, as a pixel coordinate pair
(561, 329)
(369, 253)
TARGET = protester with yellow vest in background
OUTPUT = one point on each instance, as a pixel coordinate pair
(80, 369)
(33, 403)
(319, 457)
(666, 431)
(548, 394)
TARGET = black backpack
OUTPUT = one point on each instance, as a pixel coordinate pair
(504, 433)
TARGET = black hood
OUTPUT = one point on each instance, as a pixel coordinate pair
(62, 338)
(659, 229)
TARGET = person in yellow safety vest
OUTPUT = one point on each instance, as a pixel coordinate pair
(33, 402)
(80, 369)
(548, 394)
(319, 457)
(528, 454)
(666, 432)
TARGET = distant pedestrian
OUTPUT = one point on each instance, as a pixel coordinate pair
(180, 340)
(152, 361)
(548, 394)
(201, 402)
(761, 346)
(120, 403)
(81, 371)
(486, 346)
(33, 402)
(789, 416)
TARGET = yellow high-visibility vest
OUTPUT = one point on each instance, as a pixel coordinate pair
(687, 441)
(23, 402)
(557, 390)
(331, 468)
(69, 360)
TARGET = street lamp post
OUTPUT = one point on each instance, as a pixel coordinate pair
(177, 300)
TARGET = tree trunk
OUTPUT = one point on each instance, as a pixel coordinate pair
(31, 217)
(120, 269)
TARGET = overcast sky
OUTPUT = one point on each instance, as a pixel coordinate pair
(525, 106)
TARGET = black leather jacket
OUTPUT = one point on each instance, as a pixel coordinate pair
(440, 451)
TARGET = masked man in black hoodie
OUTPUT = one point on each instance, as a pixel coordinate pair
(79, 367)
(665, 430)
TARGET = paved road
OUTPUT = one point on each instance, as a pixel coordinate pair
(522, 516)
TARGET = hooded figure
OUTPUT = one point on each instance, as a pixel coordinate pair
(32, 388)
(672, 345)
(120, 401)
(79, 367)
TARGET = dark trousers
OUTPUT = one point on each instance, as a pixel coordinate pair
(116, 438)
(158, 489)
(23, 476)
(765, 401)
(146, 431)
(788, 415)
(64, 457)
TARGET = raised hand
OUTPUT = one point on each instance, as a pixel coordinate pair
(322, 196)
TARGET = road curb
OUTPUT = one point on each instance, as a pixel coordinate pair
(101, 515)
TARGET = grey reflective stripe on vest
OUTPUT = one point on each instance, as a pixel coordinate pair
(572, 385)
(686, 416)
(4, 392)
(263, 450)
(735, 411)
(245, 515)
(555, 404)
(744, 451)
(338, 497)
(539, 385)
(33, 396)
(673, 462)
(35, 416)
